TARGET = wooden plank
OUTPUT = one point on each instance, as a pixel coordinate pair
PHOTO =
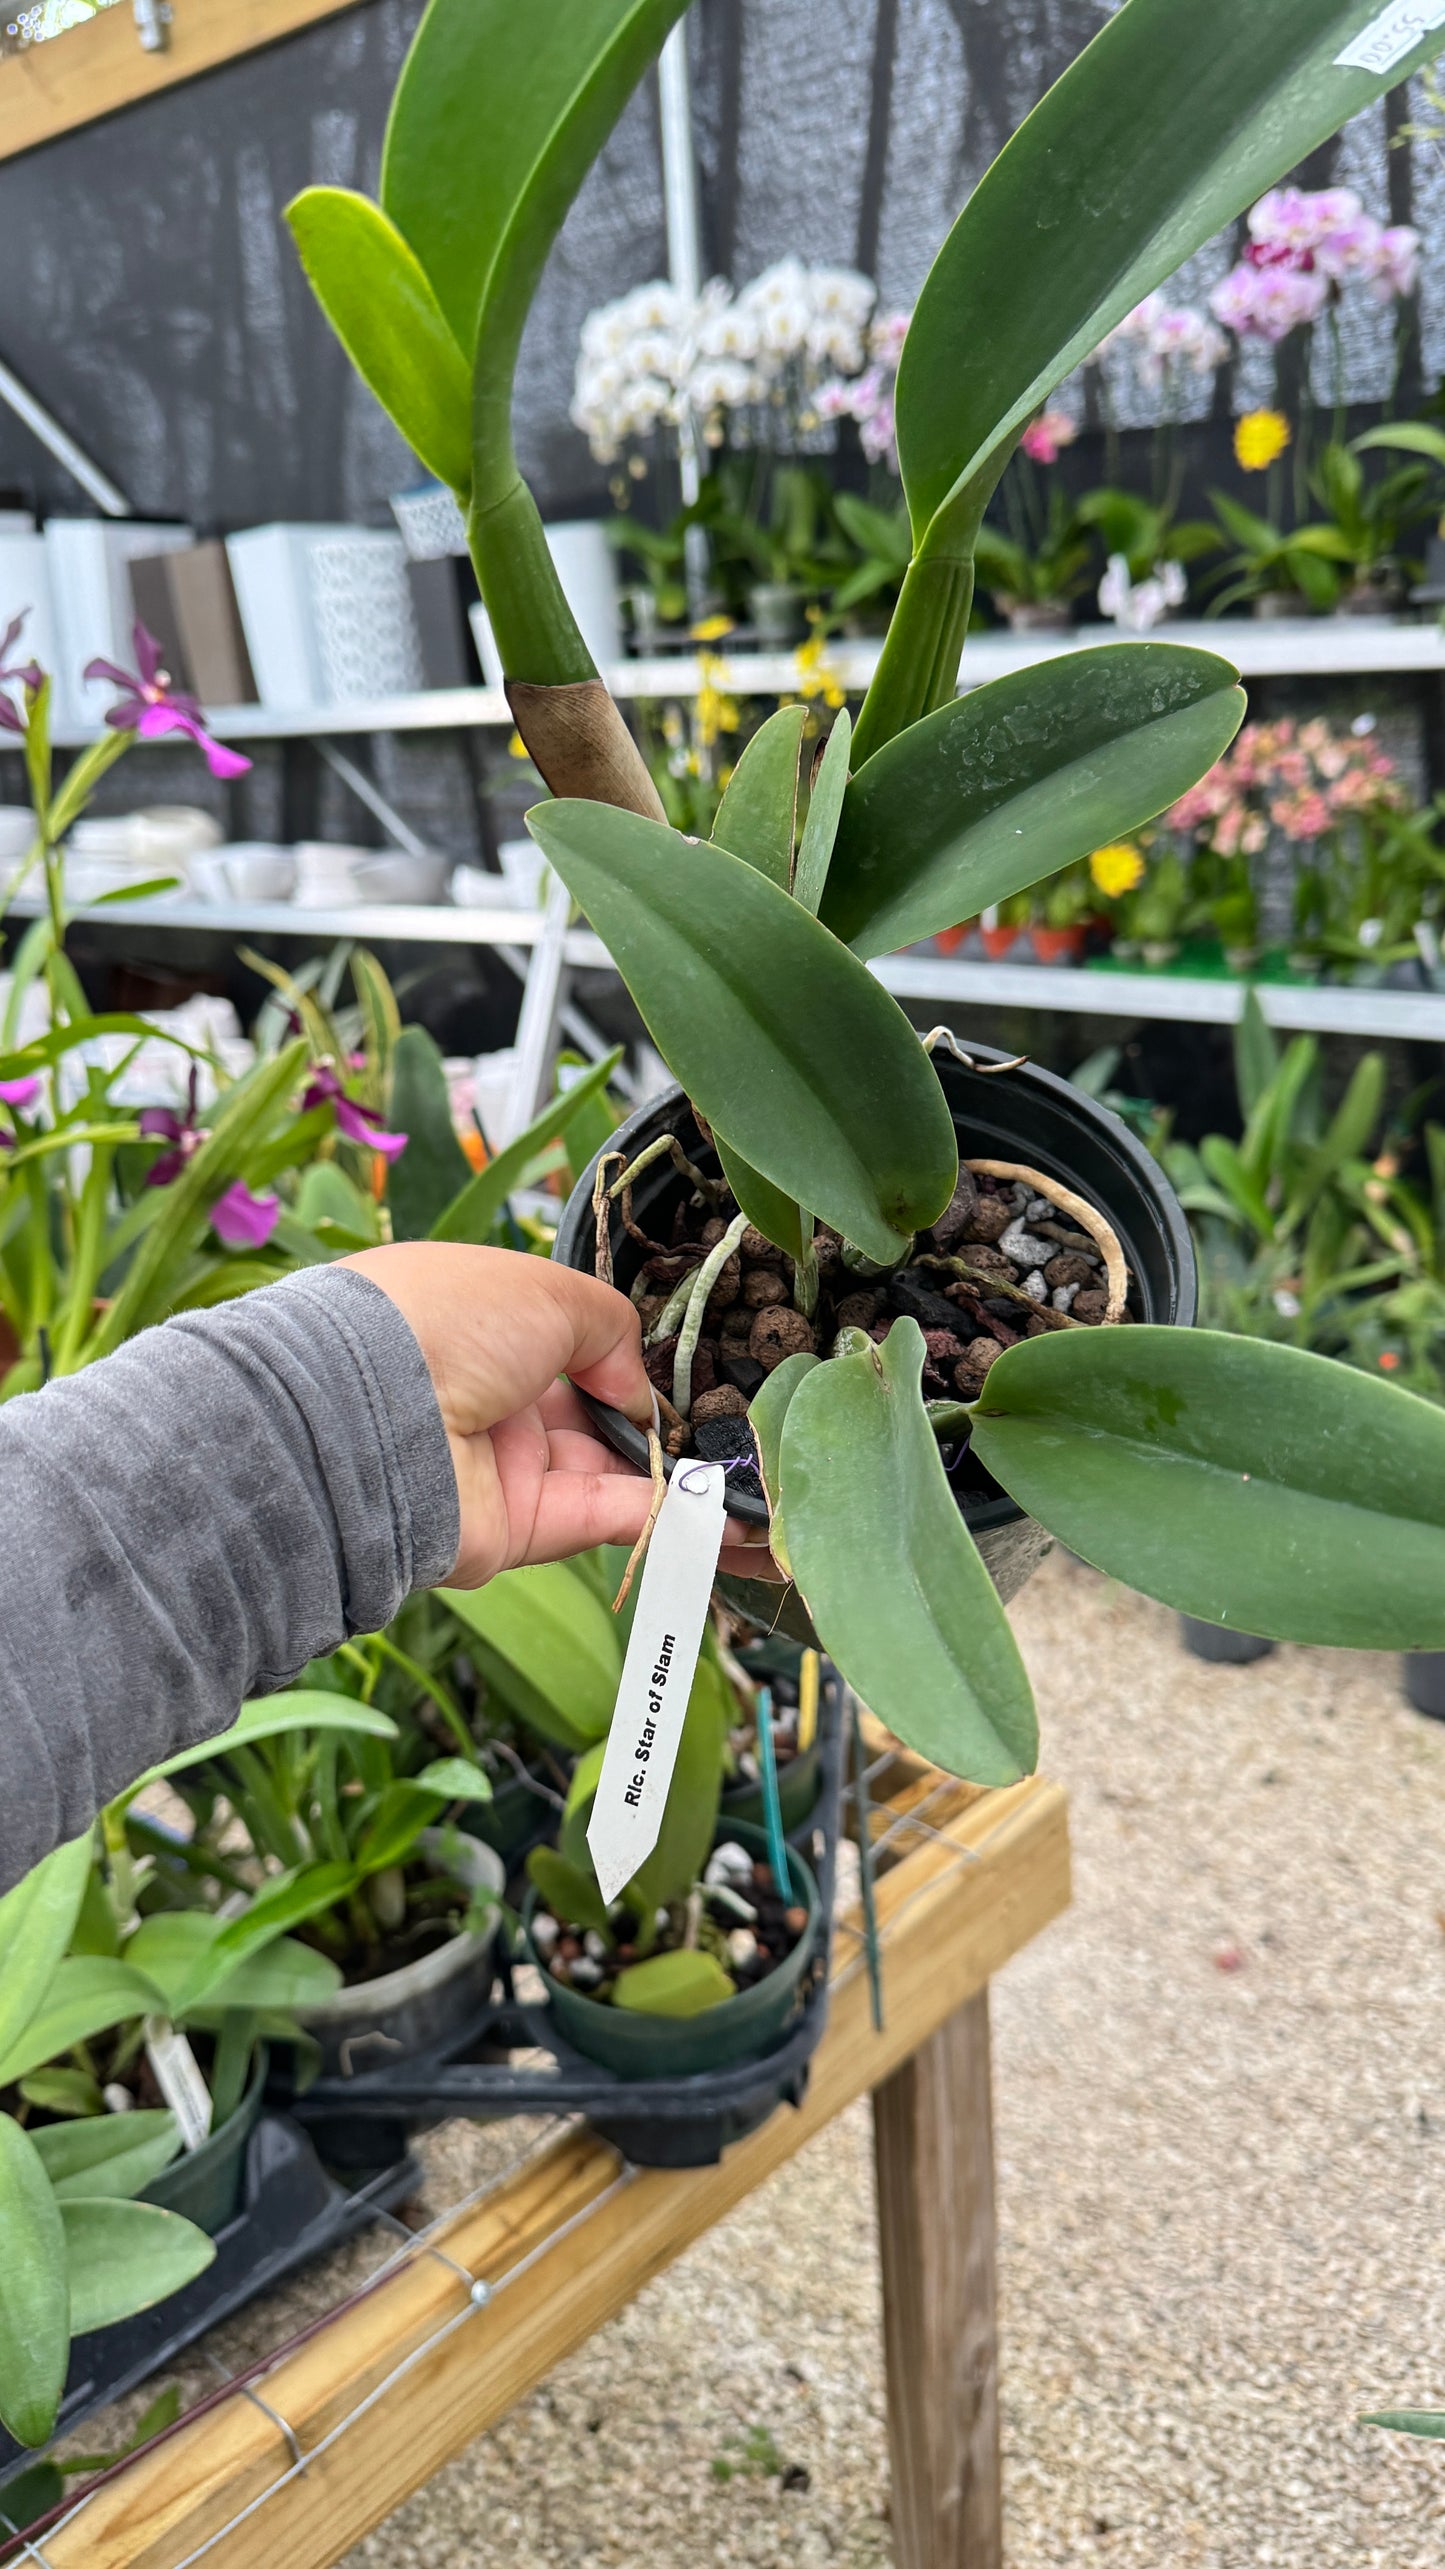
(951, 1913)
(100, 66)
(933, 2149)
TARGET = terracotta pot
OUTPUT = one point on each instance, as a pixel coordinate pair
(948, 940)
(997, 941)
(1057, 945)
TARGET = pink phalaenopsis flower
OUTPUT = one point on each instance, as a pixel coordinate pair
(1299, 218)
(151, 706)
(243, 1220)
(359, 1123)
(1305, 815)
(1045, 437)
(1268, 302)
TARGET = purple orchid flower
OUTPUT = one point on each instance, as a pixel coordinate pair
(151, 705)
(243, 1220)
(184, 1133)
(359, 1123)
(19, 1093)
(26, 673)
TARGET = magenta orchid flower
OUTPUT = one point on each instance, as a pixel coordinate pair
(184, 1133)
(150, 705)
(20, 1094)
(359, 1123)
(243, 1220)
(26, 673)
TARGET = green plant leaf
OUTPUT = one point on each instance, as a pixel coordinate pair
(63, 2091)
(34, 2333)
(825, 808)
(689, 1819)
(788, 1045)
(177, 1949)
(1256, 1054)
(455, 1779)
(37, 1920)
(1164, 128)
(757, 818)
(767, 1411)
(85, 1995)
(124, 2257)
(892, 1578)
(555, 1632)
(675, 1984)
(570, 1894)
(1019, 778)
(305, 1708)
(1405, 437)
(767, 1208)
(376, 296)
(425, 1178)
(1408, 2421)
(474, 1214)
(1249, 1484)
(581, 1794)
(109, 2154)
(327, 1194)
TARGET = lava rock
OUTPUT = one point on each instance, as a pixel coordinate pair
(762, 1286)
(1069, 1268)
(961, 1208)
(965, 1323)
(758, 1250)
(858, 1310)
(944, 1348)
(1091, 1305)
(918, 1298)
(726, 1401)
(666, 1272)
(725, 1440)
(973, 1364)
(657, 1364)
(779, 1333)
(988, 1222)
(984, 1261)
(745, 1371)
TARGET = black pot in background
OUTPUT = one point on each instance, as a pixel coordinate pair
(1422, 1674)
(1027, 1115)
(1216, 1642)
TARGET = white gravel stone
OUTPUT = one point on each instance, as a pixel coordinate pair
(1023, 1248)
(1035, 1287)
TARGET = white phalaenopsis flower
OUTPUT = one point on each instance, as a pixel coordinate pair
(1136, 606)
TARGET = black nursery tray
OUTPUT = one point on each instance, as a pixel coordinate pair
(292, 2211)
(656, 2122)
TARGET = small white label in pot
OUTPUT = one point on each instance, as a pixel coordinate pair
(1388, 38)
(657, 1674)
(178, 2076)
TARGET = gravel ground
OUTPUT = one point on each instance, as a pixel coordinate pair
(1221, 2136)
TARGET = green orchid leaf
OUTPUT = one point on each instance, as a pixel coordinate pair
(777, 1033)
(1079, 218)
(37, 1920)
(113, 2154)
(892, 1578)
(767, 1412)
(124, 2257)
(690, 1817)
(427, 1177)
(1023, 776)
(1408, 2421)
(570, 1893)
(1404, 437)
(305, 1708)
(825, 810)
(376, 296)
(455, 1779)
(86, 1995)
(177, 1948)
(551, 1628)
(1256, 1054)
(34, 2331)
(493, 128)
(770, 1211)
(757, 818)
(581, 1794)
(675, 1984)
(474, 1214)
(63, 2091)
(1248, 1484)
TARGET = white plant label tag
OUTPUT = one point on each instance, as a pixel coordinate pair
(178, 2076)
(1392, 35)
(657, 1674)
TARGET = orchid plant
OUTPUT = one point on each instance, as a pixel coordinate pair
(1245, 1483)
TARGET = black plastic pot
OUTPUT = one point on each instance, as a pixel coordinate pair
(1215, 1642)
(798, 1787)
(1422, 1674)
(1027, 1115)
(205, 2184)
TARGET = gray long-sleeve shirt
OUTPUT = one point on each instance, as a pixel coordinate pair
(189, 1521)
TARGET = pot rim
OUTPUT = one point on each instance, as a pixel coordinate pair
(803, 1880)
(481, 1868)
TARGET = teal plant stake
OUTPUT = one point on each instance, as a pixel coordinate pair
(865, 1866)
(772, 1805)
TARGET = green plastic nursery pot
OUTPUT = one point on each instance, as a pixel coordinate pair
(205, 2184)
(1023, 1114)
(371, 2022)
(798, 1784)
(739, 2029)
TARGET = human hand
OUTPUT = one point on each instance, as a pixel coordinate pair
(497, 1329)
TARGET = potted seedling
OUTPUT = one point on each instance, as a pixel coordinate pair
(1249, 1484)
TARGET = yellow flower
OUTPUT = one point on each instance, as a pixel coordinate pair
(517, 747)
(816, 675)
(1260, 437)
(712, 628)
(1116, 868)
(713, 711)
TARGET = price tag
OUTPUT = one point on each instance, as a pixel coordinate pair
(657, 1674)
(1388, 38)
(178, 2076)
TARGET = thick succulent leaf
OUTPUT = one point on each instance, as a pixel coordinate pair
(767, 1412)
(550, 1626)
(1164, 129)
(86, 1994)
(424, 1180)
(123, 2257)
(107, 2153)
(474, 1214)
(892, 1578)
(375, 294)
(757, 818)
(675, 1984)
(1248, 1484)
(34, 2331)
(781, 1036)
(494, 125)
(825, 807)
(1020, 777)
(776, 1215)
(36, 1922)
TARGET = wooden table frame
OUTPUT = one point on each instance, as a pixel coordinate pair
(459, 2329)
